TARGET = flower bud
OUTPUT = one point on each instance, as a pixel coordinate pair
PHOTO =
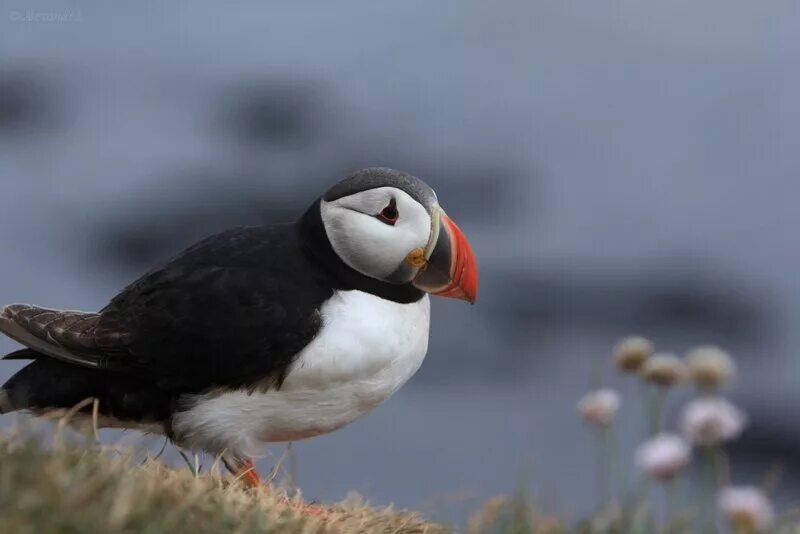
(663, 456)
(710, 367)
(711, 421)
(631, 353)
(599, 407)
(664, 370)
(746, 508)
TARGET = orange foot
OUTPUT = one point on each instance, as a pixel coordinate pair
(248, 474)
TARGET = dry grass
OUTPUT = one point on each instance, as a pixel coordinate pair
(68, 488)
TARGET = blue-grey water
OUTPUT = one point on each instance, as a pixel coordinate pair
(618, 166)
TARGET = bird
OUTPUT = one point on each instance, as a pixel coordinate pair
(258, 334)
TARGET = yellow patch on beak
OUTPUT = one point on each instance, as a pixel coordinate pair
(417, 258)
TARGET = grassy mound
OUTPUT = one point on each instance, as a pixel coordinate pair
(71, 488)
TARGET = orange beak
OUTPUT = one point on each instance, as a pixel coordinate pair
(451, 269)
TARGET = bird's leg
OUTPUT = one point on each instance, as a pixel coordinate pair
(249, 474)
(244, 470)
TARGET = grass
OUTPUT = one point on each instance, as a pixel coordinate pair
(68, 487)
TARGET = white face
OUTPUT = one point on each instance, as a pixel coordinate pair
(361, 234)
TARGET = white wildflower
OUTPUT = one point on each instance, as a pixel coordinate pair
(746, 508)
(710, 367)
(599, 407)
(712, 420)
(664, 370)
(663, 456)
(631, 352)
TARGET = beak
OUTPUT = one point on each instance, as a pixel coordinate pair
(450, 269)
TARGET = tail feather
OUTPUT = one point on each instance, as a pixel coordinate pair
(22, 354)
(5, 402)
(47, 384)
(60, 334)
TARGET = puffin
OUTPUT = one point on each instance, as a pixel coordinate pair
(257, 334)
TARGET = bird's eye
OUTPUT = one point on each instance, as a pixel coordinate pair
(389, 214)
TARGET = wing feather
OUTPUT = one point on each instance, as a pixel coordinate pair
(51, 332)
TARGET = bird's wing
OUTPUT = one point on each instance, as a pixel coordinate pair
(61, 334)
(232, 310)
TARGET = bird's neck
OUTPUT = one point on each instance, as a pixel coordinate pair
(318, 249)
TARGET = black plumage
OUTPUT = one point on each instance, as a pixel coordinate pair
(231, 310)
(47, 383)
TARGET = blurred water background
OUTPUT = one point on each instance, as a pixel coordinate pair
(620, 167)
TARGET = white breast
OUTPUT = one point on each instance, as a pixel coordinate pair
(366, 349)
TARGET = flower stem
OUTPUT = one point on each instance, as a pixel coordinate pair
(711, 455)
(619, 479)
(655, 401)
(671, 496)
(602, 465)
